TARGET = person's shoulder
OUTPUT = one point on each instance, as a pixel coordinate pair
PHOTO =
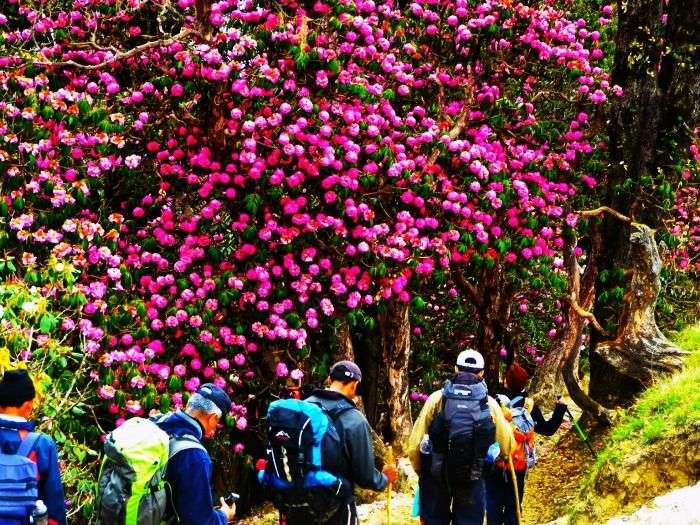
(192, 453)
(44, 441)
(435, 396)
(493, 404)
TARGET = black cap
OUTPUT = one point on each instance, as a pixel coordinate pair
(346, 371)
(16, 388)
(215, 394)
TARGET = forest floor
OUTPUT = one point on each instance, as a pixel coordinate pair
(553, 485)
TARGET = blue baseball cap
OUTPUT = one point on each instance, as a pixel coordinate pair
(346, 371)
(215, 394)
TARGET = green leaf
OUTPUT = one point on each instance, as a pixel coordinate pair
(419, 303)
(47, 323)
(253, 202)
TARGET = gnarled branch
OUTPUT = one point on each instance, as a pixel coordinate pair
(185, 33)
(467, 287)
(605, 209)
(586, 315)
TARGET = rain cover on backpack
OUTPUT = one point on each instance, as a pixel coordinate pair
(19, 483)
(300, 436)
(462, 433)
(132, 489)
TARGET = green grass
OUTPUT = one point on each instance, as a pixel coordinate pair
(662, 411)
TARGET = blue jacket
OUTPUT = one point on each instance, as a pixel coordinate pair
(358, 467)
(45, 456)
(189, 474)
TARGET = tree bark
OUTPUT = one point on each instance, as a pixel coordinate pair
(640, 353)
(396, 351)
(656, 65)
(492, 301)
(580, 300)
(548, 382)
(346, 349)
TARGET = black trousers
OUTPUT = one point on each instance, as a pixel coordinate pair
(458, 505)
(500, 497)
(347, 515)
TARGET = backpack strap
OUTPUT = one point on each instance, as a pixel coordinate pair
(181, 443)
(516, 400)
(334, 414)
(26, 447)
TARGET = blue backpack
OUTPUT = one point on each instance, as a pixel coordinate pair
(304, 449)
(19, 483)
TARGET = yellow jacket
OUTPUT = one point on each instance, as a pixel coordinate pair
(432, 407)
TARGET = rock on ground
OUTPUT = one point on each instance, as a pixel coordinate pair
(679, 507)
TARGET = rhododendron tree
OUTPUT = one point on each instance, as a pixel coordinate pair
(228, 177)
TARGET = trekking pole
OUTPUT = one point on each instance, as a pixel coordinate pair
(516, 492)
(390, 458)
(581, 433)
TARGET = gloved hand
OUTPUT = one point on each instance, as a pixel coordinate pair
(391, 473)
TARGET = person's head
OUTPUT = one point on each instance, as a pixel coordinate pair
(470, 361)
(345, 376)
(17, 394)
(516, 378)
(208, 406)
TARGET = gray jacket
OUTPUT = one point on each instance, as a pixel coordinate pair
(358, 465)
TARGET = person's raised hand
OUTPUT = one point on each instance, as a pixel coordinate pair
(391, 473)
(229, 510)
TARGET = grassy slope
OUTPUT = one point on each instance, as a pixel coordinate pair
(658, 424)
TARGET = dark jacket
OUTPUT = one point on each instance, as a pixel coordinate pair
(46, 458)
(358, 467)
(542, 426)
(189, 474)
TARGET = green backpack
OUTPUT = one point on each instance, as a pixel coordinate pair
(132, 487)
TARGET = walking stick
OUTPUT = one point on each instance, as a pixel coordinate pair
(390, 457)
(515, 489)
(581, 433)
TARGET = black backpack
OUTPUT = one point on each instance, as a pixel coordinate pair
(462, 433)
(304, 454)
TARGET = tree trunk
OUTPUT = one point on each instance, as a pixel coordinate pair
(640, 353)
(548, 382)
(489, 345)
(656, 65)
(396, 351)
(494, 316)
(345, 350)
(580, 300)
(492, 300)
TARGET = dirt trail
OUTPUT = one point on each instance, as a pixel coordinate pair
(552, 485)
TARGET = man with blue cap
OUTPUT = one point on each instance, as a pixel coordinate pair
(189, 471)
(357, 463)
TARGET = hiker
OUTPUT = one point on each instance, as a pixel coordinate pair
(189, 472)
(17, 438)
(527, 419)
(449, 443)
(316, 483)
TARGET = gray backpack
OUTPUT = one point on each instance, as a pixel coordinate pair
(462, 433)
(132, 487)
